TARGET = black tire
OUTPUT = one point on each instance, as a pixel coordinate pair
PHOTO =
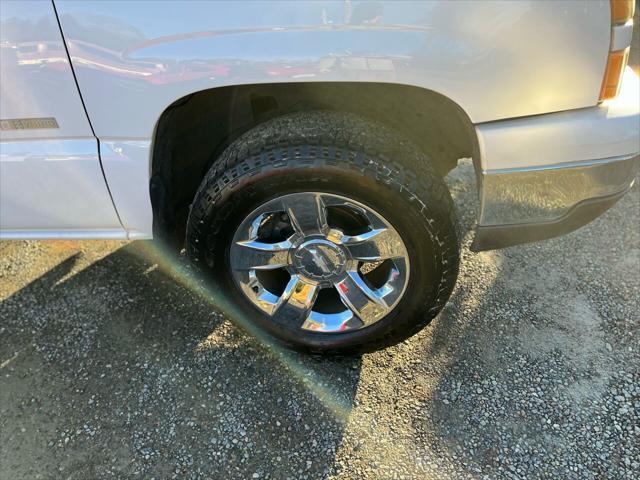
(345, 155)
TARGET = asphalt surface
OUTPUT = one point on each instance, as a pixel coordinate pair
(113, 364)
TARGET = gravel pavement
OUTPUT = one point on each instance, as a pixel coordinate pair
(114, 365)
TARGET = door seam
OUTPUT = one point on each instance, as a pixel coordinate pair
(86, 112)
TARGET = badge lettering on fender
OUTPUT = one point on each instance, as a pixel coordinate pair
(28, 123)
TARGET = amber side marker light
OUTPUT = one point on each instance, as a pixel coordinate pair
(613, 74)
(621, 12)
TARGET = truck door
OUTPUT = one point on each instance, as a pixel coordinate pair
(51, 181)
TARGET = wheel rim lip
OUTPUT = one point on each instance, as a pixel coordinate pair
(266, 300)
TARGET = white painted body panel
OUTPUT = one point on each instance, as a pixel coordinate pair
(52, 186)
(608, 130)
(495, 59)
(125, 164)
(51, 182)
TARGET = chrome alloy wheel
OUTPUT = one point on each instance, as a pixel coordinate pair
(320, 262)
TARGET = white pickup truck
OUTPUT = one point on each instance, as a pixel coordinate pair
(297, 149)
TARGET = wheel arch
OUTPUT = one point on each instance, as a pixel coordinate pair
(192, 131)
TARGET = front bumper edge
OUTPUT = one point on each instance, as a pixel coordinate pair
(526, 205)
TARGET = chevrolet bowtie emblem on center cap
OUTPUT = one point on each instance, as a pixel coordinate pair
(320, 260)
(318, 257)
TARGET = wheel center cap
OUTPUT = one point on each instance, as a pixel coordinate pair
(320, 260)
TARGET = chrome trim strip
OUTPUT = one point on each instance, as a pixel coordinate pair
(557, 166)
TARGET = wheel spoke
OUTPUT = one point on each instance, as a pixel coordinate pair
(296, 301)
(307, 213)
(392, 288)
(328, 322)
(263, 298)
(257, 255)
(374, 245)
(367, 305)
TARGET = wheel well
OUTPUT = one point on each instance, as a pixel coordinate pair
(194, 130)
